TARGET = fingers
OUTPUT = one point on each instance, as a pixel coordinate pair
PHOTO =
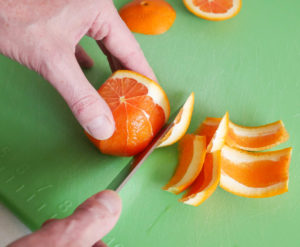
(113, 62)
(91, 111)
(100, 244)
(84, 60)
(90, 222)
(121, 44)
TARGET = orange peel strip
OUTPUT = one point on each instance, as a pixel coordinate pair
(247, 138)
(215, 130)
(255, 175)
(207, 181)
(256, 138)
(192, 149)
(182, 123)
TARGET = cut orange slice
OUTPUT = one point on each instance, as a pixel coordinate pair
(255, 174)
(182, 122)
(215, 10)
(215, 132)
(206, 183)
(192, 149)
(148, 16)
(256, 138)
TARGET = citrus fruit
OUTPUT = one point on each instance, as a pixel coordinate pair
(215, 133)
(215, 10)
(140, 108)
(251, 174)
(206, 182)
(181, 123)
(192, 149)
(148, 16)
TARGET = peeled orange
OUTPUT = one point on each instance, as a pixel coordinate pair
(215, 10)
(148, 16)
(140, 108)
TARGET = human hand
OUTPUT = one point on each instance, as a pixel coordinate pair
(43, 35)
(90, 222)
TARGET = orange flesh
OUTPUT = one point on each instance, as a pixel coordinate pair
(259, 174)
(186, 152)
(214, 6)
(136, 116)
(148, 16)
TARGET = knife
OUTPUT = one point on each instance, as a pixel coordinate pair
(135, 163)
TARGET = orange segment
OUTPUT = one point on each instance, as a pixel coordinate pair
(215, 10)
(148, 16)
(182, 122)
(255, 174)
(192, 150)
(215, 132)
(256, 138)
(140, 108)
(207, 181)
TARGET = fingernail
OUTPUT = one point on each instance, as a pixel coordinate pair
(110, 200)
(100, 128)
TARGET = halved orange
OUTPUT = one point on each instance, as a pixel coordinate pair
(192, 149)
(215, 10)
(215, 132)
(256, 138)
(206, 182)
(148, 16)
(255, 174)
(140, 108)
(182, 122)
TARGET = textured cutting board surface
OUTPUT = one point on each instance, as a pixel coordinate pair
(248, 65)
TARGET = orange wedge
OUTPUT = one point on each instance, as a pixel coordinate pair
(206, 183)
(256, 138)
(215, 131)
(255, 174)
(148, 16)
(215, 10)
(192, 150)
(182, 122)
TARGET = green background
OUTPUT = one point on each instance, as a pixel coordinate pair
(248, 65)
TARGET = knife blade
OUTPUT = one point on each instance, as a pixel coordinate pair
(134, 164)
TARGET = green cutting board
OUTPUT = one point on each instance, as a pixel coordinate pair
(248, 65)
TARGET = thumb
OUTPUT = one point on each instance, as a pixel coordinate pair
(64, 73)
(90, 222)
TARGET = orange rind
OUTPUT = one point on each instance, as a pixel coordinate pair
(181, 123)
(148, 16)
(255, 175)
(256, 138)
(215, 132)
(207, 181)
(192, 149)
